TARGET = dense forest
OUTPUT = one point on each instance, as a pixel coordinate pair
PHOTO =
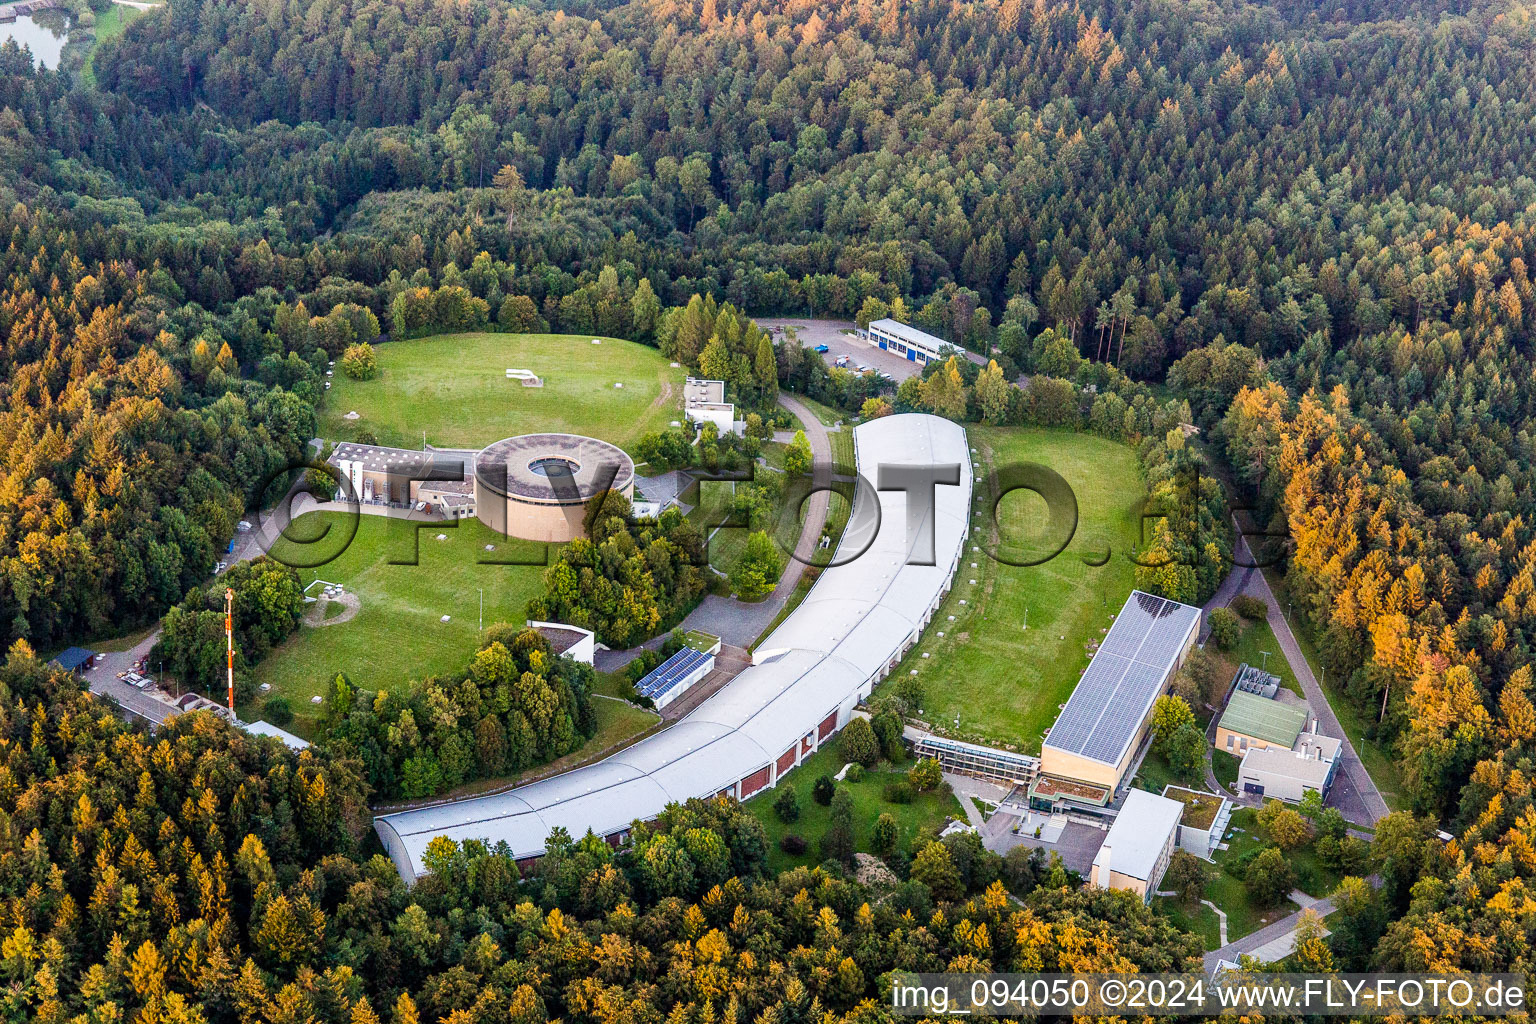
(1305, 230)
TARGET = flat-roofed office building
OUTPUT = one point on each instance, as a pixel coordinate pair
(1139, 846)
(1097, 733)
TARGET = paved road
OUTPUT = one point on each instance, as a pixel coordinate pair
(740, 623)
(1280, 929)
(103, 681)
(1353, 790)
(1353, 793)
(1264, 936)
(151, 704)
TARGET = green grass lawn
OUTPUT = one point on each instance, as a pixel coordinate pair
(455, 388)
(1226, 890)
(727, 544)
(397, 635)
(1252, 642)
(1005, 683)
(1225, 766)
(825, 413)
(1201, 920)
(1379, 759)
(868, 804)
(1156, 774)
(110, 24)
(1312, 877)
(123, 642)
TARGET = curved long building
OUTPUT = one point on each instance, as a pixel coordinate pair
(859, 618)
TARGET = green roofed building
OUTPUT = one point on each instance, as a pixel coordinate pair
(1251, 721)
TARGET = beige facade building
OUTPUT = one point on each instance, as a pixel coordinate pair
(534, 487)
(1139, 846)
(1097, 734)
(1250, 722)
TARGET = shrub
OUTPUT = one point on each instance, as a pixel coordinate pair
(882, 839)
(859, 743)
(1250, 607)
(797, 455)
(1224, 628)
(925, 775)
(887, 726)
(898, 792)
(1268, 878)
(358, 362)
(837, 843)
(821, 792)
(1186, 876)
(793, 844)
(641, 664)
(278, 710)
(786, 805)
(855, 772)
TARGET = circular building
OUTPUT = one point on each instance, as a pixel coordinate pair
(537, 486)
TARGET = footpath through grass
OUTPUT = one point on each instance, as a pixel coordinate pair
(1004, 682)
(397, 635)
(926, 809)
(1200, 919)
(454, 387)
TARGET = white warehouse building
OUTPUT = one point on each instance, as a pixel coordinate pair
(907, 341)
(807, 676)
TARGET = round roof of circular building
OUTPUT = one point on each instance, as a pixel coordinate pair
(563, 469)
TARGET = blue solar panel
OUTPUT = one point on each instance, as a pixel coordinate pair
(661, 679)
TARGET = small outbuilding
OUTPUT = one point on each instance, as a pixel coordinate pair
(1271, 772)
(290, 741)
(1251, 721)
(567, 641)
(74, 660)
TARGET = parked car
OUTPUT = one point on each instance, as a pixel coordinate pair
(821, 348)
(841, 361)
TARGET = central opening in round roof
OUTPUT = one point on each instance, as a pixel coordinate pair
(553, 465)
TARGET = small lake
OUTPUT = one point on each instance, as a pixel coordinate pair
(43, 33)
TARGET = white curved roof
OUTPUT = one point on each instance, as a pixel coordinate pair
(856, 620)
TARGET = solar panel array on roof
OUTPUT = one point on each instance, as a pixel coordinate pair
(1124, 678)
(659, 681)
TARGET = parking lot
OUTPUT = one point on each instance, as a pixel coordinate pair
(840, 340)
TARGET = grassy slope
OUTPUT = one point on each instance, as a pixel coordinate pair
(397, 635)
(1201, 920)
(109, 25)
(1226, 890)
(455, 388)
(1256, 638)
(1005, 683)
(927, 809)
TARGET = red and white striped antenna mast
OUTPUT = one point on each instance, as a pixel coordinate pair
(229, 644)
